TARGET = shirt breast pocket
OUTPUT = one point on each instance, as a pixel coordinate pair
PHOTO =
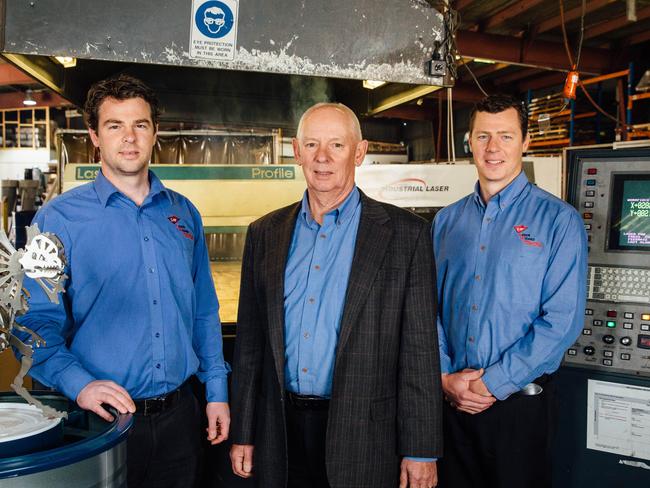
(525, 268)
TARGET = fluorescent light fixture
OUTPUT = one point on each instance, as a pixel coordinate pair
(403, 97)
(29, 98)
(372, 84)
(484, 61)
(66, 61)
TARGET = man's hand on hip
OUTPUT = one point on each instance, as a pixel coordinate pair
(417, 474)
(241, 458)
(218, 415)
(466, 391)
(97, 392)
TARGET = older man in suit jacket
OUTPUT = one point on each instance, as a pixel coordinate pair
(336, 371)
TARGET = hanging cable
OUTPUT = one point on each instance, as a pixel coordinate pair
(582, 31)
(475, 80)
(597, 107)
(564, 36)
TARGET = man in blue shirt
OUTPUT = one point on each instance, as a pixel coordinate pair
(139, 315)
(511, 262)
(335, 376)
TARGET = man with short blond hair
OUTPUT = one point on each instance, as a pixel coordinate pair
(335, 377)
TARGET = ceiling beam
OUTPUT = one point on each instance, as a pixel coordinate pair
(485, 70)
(642, 36)
(536, 53)
(516, 76)
(461, 4)
(10, 75)
(570, 15)
(42, 99)
(543, 81)
(41, 68)
(617, 23)
(509, 12)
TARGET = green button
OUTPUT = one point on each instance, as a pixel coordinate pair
(611, 324)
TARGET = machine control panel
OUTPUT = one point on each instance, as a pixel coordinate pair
(612, 193)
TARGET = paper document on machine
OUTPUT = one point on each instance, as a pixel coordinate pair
(618, 419)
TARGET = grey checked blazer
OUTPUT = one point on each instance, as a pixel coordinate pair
(386, 397)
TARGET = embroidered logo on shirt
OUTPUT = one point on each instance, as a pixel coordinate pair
(525, 237)
(175, 220)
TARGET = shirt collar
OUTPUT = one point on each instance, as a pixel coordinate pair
(506, 196)
(105, 189)
(342, 213)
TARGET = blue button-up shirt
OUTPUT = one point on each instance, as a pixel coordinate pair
(511, 284)
(315, 283)
(140, 307)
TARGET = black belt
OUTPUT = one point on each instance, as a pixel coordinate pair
(308, 402)
(150, 406)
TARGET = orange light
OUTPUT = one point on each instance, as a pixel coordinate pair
(645, 316)
(571, 84)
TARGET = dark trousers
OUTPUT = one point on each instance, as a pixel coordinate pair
(164, 450)
(306, 430)
(506, 446)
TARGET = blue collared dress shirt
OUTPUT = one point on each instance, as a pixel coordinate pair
(511, 284)
(140, 306)
(315, 283)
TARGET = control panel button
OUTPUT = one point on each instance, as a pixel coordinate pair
(591, 350)
(626, 341)
(597, 322)
(608, 339)
(587, 216)
(586, 331)
(589, 204)
(572, 352)
(643, 341)
(611, 324)
(645, 316)
(589, 311)
(611, 313)
(625, 356)
(607, 362)
(628, 325)
(608, 354)
(590, 182)
(628, 315)
(590, 193)
(592, 171)
(587, 226)
(645, 327)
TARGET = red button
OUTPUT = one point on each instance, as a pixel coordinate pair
(611, 313)
(592, 171)
(587, 215)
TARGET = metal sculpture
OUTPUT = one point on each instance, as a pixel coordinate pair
(43, 260)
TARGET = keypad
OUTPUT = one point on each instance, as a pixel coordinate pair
(618, 284)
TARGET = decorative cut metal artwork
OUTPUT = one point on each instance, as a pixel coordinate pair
(43, 260)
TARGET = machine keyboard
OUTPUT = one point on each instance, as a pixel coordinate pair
(618, 284)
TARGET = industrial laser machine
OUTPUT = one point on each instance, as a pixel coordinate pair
(604, 385)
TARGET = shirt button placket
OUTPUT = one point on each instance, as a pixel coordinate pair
(154, 295)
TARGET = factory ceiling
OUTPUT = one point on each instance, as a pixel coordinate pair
(507, 45)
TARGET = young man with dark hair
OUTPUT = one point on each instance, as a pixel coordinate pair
(511, 262)
(140, 315)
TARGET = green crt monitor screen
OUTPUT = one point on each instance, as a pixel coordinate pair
(629, 218)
